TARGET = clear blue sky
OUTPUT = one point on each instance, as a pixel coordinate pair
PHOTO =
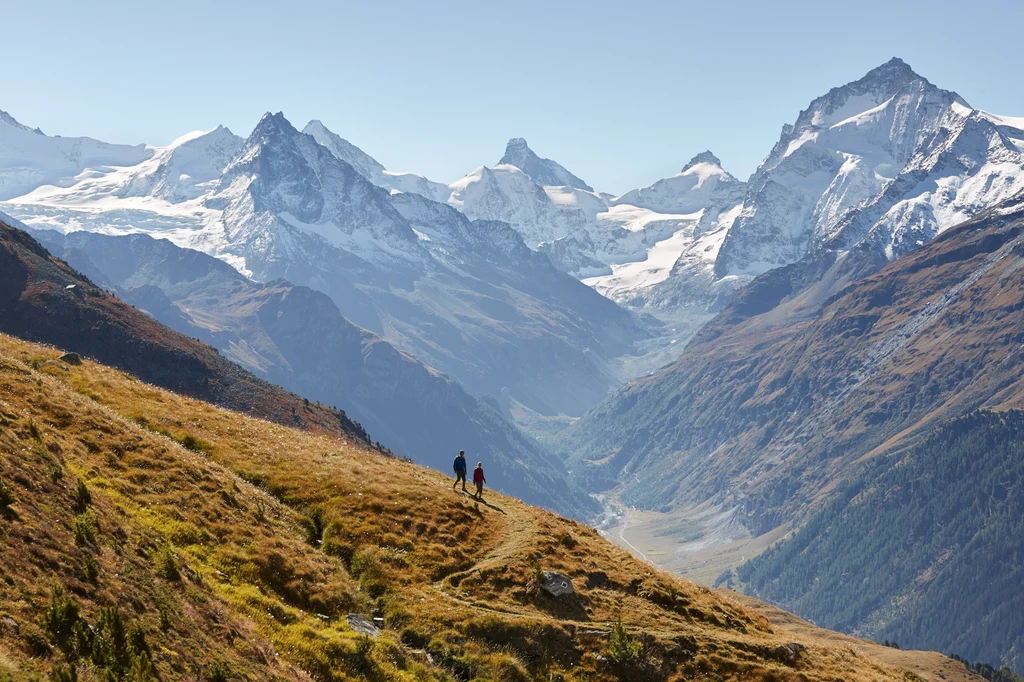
(620, 93)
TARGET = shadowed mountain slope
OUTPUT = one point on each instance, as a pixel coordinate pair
(296, 337)
(765, 410)
(43, 299)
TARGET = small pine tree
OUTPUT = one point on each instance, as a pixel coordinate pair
(622, 648)
(82, 497)
(167, 566)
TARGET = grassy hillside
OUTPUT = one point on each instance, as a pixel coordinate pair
(45, 300)
(147, 535)
(296, 338)
(925, 548)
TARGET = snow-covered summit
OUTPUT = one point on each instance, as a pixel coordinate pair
(373, 170)
(544, 171)
(9, 120)
(705, 157)
(838, 155)
(185, 169)
(702, 183)
(30, 159)
(284, 192)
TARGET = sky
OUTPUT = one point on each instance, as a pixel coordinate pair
(620, 93)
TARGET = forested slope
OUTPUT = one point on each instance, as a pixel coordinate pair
(926, 548)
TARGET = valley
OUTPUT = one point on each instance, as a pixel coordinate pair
(803, 387)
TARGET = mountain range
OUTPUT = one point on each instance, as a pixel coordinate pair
(727, 354)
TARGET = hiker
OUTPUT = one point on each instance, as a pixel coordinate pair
(479, 480)
(460, 470)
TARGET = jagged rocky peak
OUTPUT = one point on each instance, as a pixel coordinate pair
(874, 88)
(11, 121)
(704, 157)
(545, 171)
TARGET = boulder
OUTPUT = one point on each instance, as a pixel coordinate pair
(71, 358)
(362, 625)
(556, 584)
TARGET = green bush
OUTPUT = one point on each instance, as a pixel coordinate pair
(368, 565)
(218, 671)
(167, 566)
(414, 638)
(313, 526)
(142, 669)
(60, 618)
(63, 673)
(82, 497)
(90, 569)
(85, 528)
(6, 495)
(190, 442)
(622, 648)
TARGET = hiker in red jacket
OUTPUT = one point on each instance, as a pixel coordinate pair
(479, 480)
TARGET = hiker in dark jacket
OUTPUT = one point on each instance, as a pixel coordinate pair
(479, 480)
(460, 470)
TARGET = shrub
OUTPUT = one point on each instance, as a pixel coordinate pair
(368, 566)
(361, 660)
(190, 442)
(165, 618)
(628, 657)
(90, 569)
(111, 649)
(33, 430)
(622, 648)
(218, 671)
(59, 619)
(142, 669)
(334, 543)
(85, 528)
(6, 495)
(82, 497)
(166, 566)
(414, 638)
(63, 673)
(313, 526)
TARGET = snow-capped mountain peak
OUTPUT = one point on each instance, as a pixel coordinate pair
(7, 119)
(286, 194)
(702, 183)
(545, 171)
(835, 158)
(184, 170)
(705, 157)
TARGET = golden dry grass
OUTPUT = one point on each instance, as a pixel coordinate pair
(277, 534)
